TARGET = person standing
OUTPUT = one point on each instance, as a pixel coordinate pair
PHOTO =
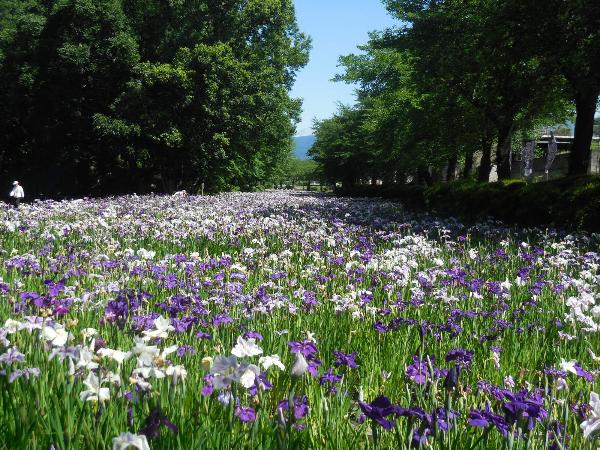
(16, 194)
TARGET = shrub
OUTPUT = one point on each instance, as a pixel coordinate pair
(410, 195)
(572, 202)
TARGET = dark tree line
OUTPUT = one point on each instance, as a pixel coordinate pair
(111, 96)
(462, 78)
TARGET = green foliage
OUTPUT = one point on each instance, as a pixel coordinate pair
(120, 95)
(570, 202)
(300, 171)
(341, 146)
(455, 78)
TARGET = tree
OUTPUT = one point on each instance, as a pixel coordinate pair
(389, 105)
(61, 64)
(341, 147)
(122, 95)
(567, 38)
(477, 50)
(300, 171)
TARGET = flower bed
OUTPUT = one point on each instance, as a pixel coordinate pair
(284, 320)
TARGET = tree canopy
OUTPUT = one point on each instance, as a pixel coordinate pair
(109, 96)
(457, 78)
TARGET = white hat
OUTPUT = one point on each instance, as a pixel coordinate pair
(15, 183)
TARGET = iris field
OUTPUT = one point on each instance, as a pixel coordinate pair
(285, 320)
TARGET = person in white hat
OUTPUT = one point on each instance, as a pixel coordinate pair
(16, 194)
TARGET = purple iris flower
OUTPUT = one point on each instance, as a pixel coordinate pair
(300, 406)
(260, 382)
(141, 323)
(185, 349)
(313, 366)
(225, 261)
(462, 357)
(419, 437)
(309, 300)
(55, 288)
(61, 307)
(366, 297)
(278, 275)
(203, 335)
(378, 410)
(154, 421)
(491, 389)
(329, 379)
(487, 418)
(179, 258)
(115, 310)
(306, 347)
(581, 410)
(208, 387)
(99, 343)
(182, 325)
(33, 298)
(25, 373)
(444, 419)
(524, 406)
(11, 356)
(253, 335)
(414, 412)
(245, 413)
(581, 372)
(557, 436)
(221, 319)
(419, 371)
(345, 359)
(380, 327)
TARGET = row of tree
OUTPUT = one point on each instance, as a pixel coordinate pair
(458, 78)
(110, 96)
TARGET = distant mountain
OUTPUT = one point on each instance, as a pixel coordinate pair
(301, 146)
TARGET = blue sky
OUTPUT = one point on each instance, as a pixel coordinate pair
(336, 28)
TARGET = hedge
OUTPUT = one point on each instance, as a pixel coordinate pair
(572, 203)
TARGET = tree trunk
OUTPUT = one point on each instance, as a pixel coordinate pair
(436, 174)
(423, 175)
(486, 160)
(451, 169)
(468, 165)
(579, 158)
(504, 152)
